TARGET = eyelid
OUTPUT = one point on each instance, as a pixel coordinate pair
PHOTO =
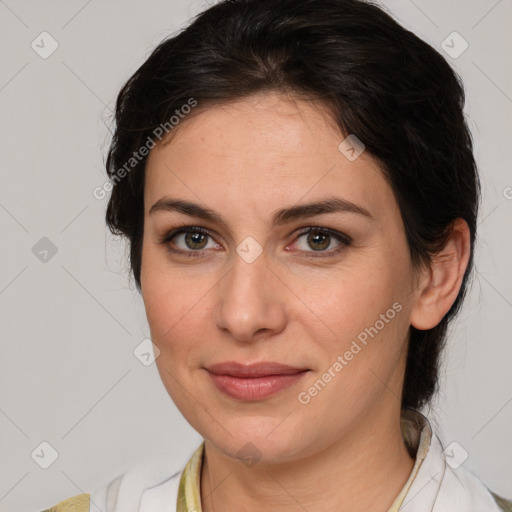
(184, 228)
(342, 238)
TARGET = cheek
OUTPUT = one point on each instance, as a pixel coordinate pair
(347, 302)
(172, 303)
(363, 312)
(175, 313)
(169, 293)
(175, 318)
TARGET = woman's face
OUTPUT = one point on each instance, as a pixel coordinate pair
(254, 286)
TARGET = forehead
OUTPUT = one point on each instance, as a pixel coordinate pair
(263, 150)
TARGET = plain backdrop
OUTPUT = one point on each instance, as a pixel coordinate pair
(71, 317)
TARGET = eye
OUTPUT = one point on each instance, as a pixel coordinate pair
(193, 240)
(319, 239)
(189, 240)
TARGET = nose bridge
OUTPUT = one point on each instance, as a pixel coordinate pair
(246, 304)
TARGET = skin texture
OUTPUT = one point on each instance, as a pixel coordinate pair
(245, 160)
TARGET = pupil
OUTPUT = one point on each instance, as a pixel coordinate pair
(317, 237)
(195, 239)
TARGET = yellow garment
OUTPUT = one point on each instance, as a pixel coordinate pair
(78, 503)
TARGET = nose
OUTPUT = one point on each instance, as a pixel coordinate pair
(251, 301)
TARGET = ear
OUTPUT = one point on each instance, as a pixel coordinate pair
(440, 283)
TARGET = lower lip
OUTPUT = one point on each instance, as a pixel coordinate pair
(257, 388)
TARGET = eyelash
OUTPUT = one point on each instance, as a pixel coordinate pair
(344, 240)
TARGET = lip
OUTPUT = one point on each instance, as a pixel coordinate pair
(262, 369)
(254, 381)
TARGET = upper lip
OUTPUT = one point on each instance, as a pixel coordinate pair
(234, 369)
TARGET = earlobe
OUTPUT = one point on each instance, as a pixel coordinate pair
(442, 281)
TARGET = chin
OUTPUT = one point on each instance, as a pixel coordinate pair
(256, 439)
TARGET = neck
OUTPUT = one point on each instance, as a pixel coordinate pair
(363, 471)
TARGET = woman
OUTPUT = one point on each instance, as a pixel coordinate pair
(297, 183)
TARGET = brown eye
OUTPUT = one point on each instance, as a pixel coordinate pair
(189, 240)
(195, 240)
(318, 240)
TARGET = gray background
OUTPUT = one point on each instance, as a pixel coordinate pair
(69, 325)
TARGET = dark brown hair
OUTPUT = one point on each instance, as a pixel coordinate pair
(381, 82)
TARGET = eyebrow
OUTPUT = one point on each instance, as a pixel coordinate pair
(329, 205)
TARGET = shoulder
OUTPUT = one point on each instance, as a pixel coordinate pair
(79, 503)
(461, 489)
(465, 489)
(141, 484)
(149, 486)
(444, 484)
